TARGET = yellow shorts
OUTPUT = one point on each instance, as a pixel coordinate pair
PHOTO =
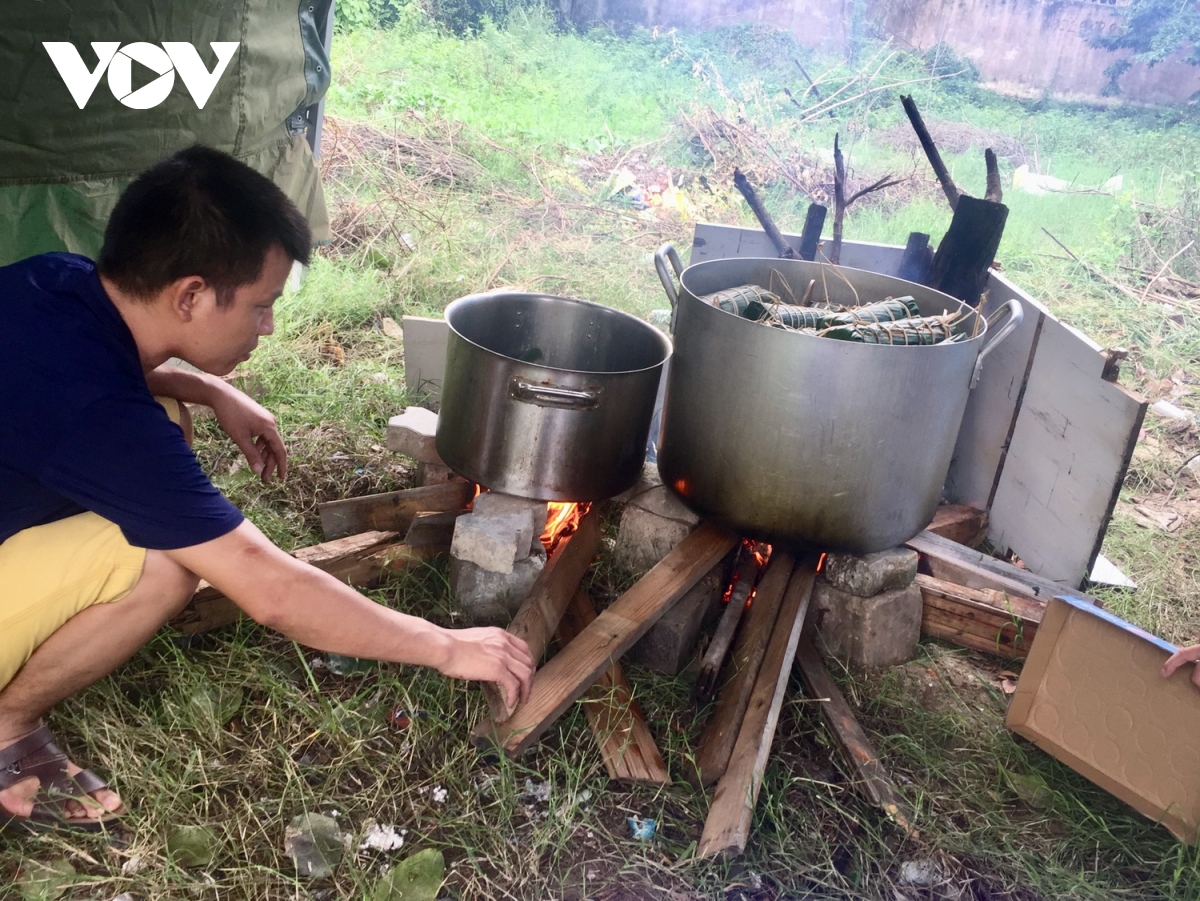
(50, 573)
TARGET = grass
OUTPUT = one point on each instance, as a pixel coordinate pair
(509, 143)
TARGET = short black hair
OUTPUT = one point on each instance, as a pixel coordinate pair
(199, 212)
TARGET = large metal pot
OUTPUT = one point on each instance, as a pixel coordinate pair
(548, 397)
(830, 444)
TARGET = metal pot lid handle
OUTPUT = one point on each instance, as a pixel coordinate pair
(1015, 313)
(661, 256)
(559, 398)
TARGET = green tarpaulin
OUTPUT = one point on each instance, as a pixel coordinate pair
(62, 167)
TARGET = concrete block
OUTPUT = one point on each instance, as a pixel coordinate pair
(412, 433)
(645, 537)
(871, 574)
(424, 358)
(492, 599)
(436, 474)
(647, 480)
(496, 542)
(868, 633)
(668, 645)
(492, 503)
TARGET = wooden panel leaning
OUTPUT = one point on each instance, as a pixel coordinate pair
(576, 667)
(727, 828)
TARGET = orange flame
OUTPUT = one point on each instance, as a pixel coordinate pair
(562, 519)
(821, 562)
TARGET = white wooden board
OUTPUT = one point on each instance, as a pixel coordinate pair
(1068, 455)
(424, 359)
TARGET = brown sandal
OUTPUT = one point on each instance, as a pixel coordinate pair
(37, 755)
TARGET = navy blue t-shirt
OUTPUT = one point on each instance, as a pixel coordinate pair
(79, 428)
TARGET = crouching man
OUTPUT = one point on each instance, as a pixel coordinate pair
(107, 521)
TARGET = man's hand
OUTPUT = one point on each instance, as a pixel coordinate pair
(491, 655)
(1179, 658)
(249, 424)
(253, 430)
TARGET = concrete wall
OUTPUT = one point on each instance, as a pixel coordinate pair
(1026, 47)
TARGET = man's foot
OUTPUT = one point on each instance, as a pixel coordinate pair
(40, 787)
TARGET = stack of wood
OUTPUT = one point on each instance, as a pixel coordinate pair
(969, 598)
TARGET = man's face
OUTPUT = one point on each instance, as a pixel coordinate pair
(224, 336)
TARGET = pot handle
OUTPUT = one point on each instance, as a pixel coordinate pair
(661, 256)
(549, 396)
(1015, 313)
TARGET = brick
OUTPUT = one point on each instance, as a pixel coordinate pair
(436, 474)
(496, 542)
(868, 633)
(645, 537)
(667, 647)
(413, 434)
(489, 598)
(870, 574)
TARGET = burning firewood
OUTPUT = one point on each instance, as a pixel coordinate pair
(754, 556)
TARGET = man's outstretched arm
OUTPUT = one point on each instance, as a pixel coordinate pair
(317, 610)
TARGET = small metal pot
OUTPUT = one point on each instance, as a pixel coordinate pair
(548, 397)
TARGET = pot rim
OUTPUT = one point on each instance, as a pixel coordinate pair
(943, 347)
(665, 341)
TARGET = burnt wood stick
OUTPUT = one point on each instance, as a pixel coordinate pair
(721, 730)
(616, 720)
(963, 259)
(839, 201)
(856, 747)
(994, 192)
(918, 257)
(718, 648)
(931, 152)
(575, 669)
(813, 85)
(785, 250)
(540, 613)
(727, 827)
(810, 238)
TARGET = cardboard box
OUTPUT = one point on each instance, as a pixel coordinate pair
(1091, 695)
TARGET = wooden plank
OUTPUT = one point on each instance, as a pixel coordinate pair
(433, 531)
(1068, 456)
(539, 614)
(576, 667)
(960, 523)
(1002, 605)
(727, 827)
(723, 637)
(358, 559)
(425, 341)
(851, 738)
(1006, 642)
(721, 730)
(953, 562)
(392, 511)
(617, 722)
